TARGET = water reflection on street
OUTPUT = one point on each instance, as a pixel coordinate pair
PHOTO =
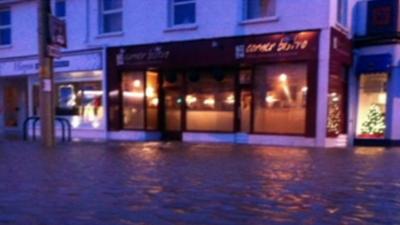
(178, 183)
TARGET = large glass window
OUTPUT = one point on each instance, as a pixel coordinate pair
(80, 102)
(183, 12)
(254, 9)
(133, 100)
(342, 12)
(140, 100)
(152, 99)
(280, 97)
(5, 27)
(372, 105)
(210, 101)
(111, 16)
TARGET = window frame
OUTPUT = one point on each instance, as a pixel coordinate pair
(6, 27)
(342, 13)
(103, 13)
(172, 5)
(55, 9)
(245, 15)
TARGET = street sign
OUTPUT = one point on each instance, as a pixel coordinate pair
(53, 51)
(58, 32)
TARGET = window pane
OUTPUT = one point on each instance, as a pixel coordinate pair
(112, 4)
(280, 99)
(372, 105)
(5, 36)
(210, 102)
(152, 100)
(133, 100)
(60, 9)
(260, 8)
(185, 14)
(342, 12)
(112, 22)
(5, 17)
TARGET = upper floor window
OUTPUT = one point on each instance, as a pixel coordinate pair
(60, 9)
(342, 12)
(5, 27)
(111, 16)
(183, 12)
(255, 9)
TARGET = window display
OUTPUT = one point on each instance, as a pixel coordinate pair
(372, 105)
(133, 100)
(80, 102)
(210, 101)
(280, 97)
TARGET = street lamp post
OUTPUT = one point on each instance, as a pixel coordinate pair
(47, 109)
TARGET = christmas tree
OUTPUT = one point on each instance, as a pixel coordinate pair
(334, 117)
(375, 122)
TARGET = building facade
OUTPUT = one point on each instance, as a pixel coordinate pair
(246, 71)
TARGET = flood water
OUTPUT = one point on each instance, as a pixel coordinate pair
(178, 183)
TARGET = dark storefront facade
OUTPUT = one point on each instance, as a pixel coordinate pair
(228, 89)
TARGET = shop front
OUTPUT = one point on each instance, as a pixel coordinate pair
(242, 89)
(78, 89)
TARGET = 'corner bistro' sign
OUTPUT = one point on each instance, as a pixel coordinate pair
(222, 51)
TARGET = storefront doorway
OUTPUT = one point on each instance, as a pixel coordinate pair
(173, 105)
(14, 105)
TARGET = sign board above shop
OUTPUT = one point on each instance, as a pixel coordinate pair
(220, 52)
(71, 63)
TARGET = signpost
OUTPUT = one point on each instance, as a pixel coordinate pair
(52, 36)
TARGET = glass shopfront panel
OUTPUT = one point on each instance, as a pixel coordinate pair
(210, 101)
(80, 102)
(152, 99)
(133, 100)
(173, 100)
(372, 105)
(280, 96)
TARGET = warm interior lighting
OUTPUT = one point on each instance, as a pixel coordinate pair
(230, 99)
(75, 121)
(209, 102)
(150, 92)
(283, 78)
(382, 98)
(154, 102)
(304, 89)
(137, 83)
(190, 99)
(96, 124)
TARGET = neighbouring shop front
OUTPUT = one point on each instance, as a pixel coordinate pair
(78, 89)
(228, 89)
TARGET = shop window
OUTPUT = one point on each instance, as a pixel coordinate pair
(5, 27)
(111, 16)
(372, 105)
(280, 97)
(60, 9)
(81, 103)
(342, 12)
(133, 100)
(173, 85)
(210, 101)
(183, 12)
(254, 9)
(337, 113)
(152, 99)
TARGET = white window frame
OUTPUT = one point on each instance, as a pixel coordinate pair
(109, 12)
(342, 7)
(55, 8)
(245, 16)
(173, 4)
(6, 27)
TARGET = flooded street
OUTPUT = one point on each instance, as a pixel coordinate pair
(180, 183)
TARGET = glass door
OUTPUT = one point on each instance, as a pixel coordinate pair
(172, 106)
(245, 111)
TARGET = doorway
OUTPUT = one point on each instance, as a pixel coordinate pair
(245, 111)
(14, 105)
(172, 105)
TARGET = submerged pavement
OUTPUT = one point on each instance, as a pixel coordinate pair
(181, 183)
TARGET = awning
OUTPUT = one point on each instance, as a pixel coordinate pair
(374, 63)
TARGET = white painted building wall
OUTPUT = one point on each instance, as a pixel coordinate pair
(147, 22)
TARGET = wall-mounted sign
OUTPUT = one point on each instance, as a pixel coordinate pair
(221, 51)
(85, 62)
(58, 32)
(383, 17)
